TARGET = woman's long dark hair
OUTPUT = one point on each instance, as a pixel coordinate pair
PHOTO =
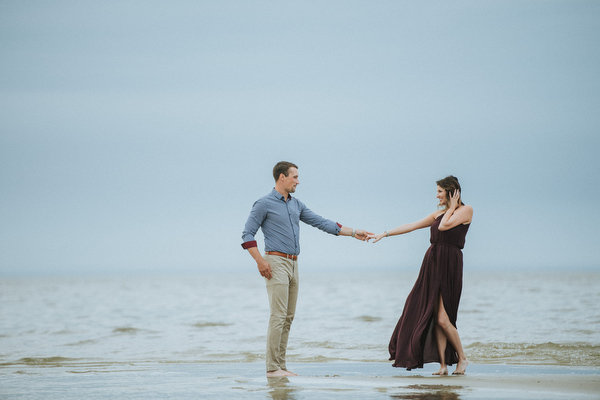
(450, 184)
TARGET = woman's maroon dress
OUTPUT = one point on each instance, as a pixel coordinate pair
(413, 342)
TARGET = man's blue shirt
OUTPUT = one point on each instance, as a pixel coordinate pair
(280, 223)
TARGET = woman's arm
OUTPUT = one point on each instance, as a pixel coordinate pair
(456, 215)
(402, 229)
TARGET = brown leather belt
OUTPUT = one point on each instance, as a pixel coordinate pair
(276, 253)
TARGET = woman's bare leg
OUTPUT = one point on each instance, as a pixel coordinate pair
(441, 345)
(441, 340)
(452, 336)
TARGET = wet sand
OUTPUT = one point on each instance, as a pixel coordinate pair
(368, 380)
(339, 380)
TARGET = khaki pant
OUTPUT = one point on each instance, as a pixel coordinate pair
(282, 290)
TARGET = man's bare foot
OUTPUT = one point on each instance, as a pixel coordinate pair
(461, 367)
(280, 372)
(277, 373)
(442, 371)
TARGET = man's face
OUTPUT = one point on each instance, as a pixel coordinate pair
(290, 182)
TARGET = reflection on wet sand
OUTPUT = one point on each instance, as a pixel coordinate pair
(429, 392)
(280, 389)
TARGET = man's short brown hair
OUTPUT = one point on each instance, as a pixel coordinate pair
(282, 167)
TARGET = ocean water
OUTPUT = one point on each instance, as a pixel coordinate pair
(522, 318)
(125, 323)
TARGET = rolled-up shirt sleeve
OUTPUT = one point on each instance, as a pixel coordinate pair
(324, 224)
(255, 220)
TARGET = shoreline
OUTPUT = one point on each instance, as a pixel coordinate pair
(347, 380)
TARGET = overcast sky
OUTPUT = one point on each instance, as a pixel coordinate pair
(136, 135)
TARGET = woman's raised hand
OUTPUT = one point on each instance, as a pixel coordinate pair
(455, 199)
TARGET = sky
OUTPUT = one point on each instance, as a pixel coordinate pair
(135, 136)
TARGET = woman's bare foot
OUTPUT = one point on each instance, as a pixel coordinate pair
(461, 367)
(442, 371)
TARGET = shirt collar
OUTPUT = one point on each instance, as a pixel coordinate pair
(279, 196)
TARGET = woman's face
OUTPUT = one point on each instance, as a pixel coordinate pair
(442, 196)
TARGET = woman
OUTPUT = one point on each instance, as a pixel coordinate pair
(426, 331)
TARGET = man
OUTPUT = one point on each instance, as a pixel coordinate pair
(278, 214)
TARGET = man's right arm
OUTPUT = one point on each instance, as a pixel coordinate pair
(263, 266)
(255, 220)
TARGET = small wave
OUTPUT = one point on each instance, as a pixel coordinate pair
(368, 318)
(42, 361)
(82, 342)
(250, 357)
(472, 311)
(126, 330)
(86, 372)
(314, 359)
(246, 356)
(63, 332)
(325, 345)
(572, 354)
(340, 346)
(209, 324)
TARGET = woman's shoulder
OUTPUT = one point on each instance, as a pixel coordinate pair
(467, 213)
(467, 208)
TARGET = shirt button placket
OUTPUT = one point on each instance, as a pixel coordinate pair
(292, 226)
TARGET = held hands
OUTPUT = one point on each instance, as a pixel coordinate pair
(361, 234)
(376, 237)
